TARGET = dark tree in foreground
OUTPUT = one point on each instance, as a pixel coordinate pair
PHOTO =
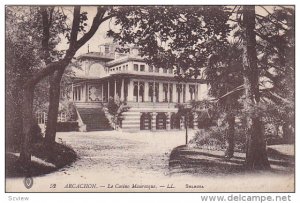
(51, 67)
(256, 154)
(185, 37)
(224, 74)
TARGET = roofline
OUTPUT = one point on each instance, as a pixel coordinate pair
(123, 60)
(129, 75)
(86, 56)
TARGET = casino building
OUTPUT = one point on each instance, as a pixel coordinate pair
(151, 93)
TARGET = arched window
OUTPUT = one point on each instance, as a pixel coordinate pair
(175, 121)
(145, 121)
(141, 91)
(161, 121)
(150, 92)
(135, 91)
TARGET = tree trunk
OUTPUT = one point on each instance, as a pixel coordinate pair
(256, 154)
(230, 136)
(287, 133)
(186, 129)
(27, 109)
(54, 96)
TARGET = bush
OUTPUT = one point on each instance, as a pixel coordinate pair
(36, 133)
(212, 138)
(215, 138)
(67, 126)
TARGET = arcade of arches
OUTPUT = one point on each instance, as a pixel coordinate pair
(165, 121)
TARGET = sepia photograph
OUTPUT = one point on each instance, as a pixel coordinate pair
(150, 98)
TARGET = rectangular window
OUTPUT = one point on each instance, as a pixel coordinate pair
(156, 69)
(77, 93)
(156, 92)
(170, 70)
(150, 68)
(126, 66)
(142, 67)
(135, 67)
(171, 92)
(165, 70)
(165, 90)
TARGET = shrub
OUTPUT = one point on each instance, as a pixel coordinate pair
(215, 138)
(212, 138)
(36, 133)
(114, 110)
(67, 126)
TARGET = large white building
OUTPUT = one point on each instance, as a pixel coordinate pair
(151, 93)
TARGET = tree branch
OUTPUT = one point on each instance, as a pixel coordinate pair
(278, 21)
(74, 32)
(98, 19)
(274, 23)
(46, 35)
(74, 43)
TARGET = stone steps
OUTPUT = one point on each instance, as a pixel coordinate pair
(94, 119)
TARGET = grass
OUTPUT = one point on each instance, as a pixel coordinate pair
(44, 160)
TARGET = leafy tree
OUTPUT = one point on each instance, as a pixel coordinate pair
(180, 37)
(256, 154)
(224, 75)
(268, 41)
(21, 61)
(185, 37)
(276, 48)
(46, 33)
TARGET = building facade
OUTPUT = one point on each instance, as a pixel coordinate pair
(151, 93)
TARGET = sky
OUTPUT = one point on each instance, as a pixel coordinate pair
(98, 38)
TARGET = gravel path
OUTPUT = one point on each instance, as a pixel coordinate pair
(110, 158)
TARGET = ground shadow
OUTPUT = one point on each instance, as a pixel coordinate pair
(189, 160)
(58, 156)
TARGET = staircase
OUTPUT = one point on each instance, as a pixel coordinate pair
(94, 118)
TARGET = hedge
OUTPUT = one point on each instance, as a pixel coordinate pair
(67, 126)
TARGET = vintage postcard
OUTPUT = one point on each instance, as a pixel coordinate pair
(166, 98)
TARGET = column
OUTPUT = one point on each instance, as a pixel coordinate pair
(122, 90)
(102, 92)
(187, 92)
(115, 89)
(161, 92)
(146, 91)
(168, 92)
(195, 121)
(108, 91)
(72, 96)
(169, 120)
(83, 92)
(181, 95)
(86, 92)
(153, 121)
(174, 93)
(154, 92)
(130, 90)
(138, 91)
